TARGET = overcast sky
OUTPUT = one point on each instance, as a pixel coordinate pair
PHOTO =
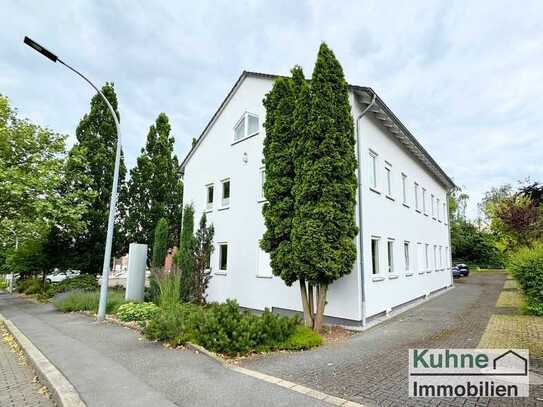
(465, 77)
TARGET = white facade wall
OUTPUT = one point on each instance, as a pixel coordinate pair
(248, 276)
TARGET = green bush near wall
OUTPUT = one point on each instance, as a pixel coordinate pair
(526, 266)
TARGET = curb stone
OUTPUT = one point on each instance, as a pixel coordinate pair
(63, 392)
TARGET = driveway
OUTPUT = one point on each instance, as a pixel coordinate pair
(113, 366)
(371, 368)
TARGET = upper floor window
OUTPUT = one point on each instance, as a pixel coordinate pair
(417, 203)
(209, 196)
(432, 202)
(424, 201)
(445, 214)
(438, 205)
(373, 170)
(404, 188)
(246, 126)
(225, 192)
(388, 178)
(261, 180)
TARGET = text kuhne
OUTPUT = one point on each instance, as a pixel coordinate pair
(468, 389)
(448, 359)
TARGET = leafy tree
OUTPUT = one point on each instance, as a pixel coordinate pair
(185, 256)
(160, 246)
(90, 168)
(323, 227)
(155, 189)
(520, 220)
(473, 245)
(534, 191)
(202, 257)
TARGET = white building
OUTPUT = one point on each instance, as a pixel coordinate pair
(404, 245)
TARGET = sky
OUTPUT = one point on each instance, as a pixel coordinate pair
(465, 77)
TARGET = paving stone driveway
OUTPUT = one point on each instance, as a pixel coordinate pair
(17, 385)
(371, 368)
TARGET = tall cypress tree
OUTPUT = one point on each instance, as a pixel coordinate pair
(324, 226)
(90, 168)
(160, 246)
(185, 257)
(155, 189)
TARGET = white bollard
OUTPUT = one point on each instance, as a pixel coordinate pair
(137, 262)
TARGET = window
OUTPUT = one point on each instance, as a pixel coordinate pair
(435, 257)
(424, 201)
(418, 257)
(225, 193)
(404, 189)
(246, 126)
(440, 257)
(223, 256)
(388, 178)
(263, 267)
(445, 214)
(438, 205)
(432, 201)
(375, 255)
(390, 255)
(426, 257)
(406, 255)
(209, 196)
(373, 170)
(261, 180)
(417, 204)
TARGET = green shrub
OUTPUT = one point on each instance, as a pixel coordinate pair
(302, 338)
(140, 312)
(30, 286)
(4, 284)
(88, 301)
(84, 282)
(174, 325)
(526, 265)
(533, 308)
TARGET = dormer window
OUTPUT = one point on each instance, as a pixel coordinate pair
(246, 127)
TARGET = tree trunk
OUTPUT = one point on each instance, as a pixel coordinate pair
(308, 317)
(321, 298)
(311, 296)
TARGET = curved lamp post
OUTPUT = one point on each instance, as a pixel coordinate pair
(113, 203)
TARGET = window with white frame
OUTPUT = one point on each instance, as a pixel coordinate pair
(261, 180)
(263, 268)
(209, 196)
(390, 255)
(388, 178)
(417, 204)
(223, 257)
(424, 210)
(445, 214)
(432, 202)
(419, 256)
(404, 189)
(246, 126)
(427, 256)
(406, 256)
(438, 206)
(435, 257)
(373, 169)
(225, 202)
(375, 255)
(440, 257)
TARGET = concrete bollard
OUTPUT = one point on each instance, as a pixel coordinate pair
(137, 263)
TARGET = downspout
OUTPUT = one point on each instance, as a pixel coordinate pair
(360, 236)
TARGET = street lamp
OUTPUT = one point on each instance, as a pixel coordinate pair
(113, 203)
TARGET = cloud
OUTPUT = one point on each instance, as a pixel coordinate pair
(465, 77)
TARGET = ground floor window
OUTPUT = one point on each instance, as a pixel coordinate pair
(375, 255)
(390, 255)
(223, 256)
(406, 255)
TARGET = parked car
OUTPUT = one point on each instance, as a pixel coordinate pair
(464, 269)
(456, 272)
(58, 276)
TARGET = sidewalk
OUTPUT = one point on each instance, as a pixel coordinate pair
(113, 366)
(18, 387)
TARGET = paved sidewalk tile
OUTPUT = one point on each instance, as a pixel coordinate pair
(18, 384)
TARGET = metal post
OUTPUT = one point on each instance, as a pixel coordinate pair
(112, 205)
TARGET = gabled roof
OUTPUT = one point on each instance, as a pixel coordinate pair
(365, 96)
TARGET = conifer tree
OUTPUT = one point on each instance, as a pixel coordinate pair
(324, 226)
(185, 258)
(155, 189)
(202, 257)
(90, 168)
(160, 246)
